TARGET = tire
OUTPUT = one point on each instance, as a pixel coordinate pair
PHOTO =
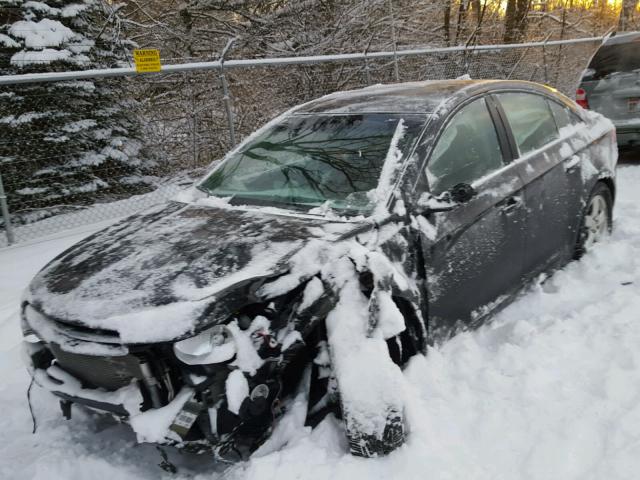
(402, 348)
(325, 398)
(325, 394)
(369, 446)
(597, 221)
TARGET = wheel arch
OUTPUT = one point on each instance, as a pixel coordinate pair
(611, 185)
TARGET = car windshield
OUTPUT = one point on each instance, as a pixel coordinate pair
(305, 161)
(621, 57)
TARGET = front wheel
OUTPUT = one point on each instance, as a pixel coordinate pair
(326, 396)
(366, 445)
(596, 220)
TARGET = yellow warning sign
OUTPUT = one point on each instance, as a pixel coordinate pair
(147, 60)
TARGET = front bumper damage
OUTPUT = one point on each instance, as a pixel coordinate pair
(337, 319)
(217, 408)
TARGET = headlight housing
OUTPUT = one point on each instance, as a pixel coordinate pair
(28, 334)
(214, 345)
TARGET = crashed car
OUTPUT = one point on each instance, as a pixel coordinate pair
(317, 258)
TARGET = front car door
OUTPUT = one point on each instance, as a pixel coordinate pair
(473, 256)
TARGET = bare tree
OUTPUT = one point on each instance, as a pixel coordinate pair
(626, 14)
(515, 20)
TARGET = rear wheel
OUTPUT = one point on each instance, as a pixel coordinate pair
(596, 220)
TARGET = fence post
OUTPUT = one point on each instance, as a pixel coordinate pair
(367, 72)
(5, 214)
(366, 61)
(225, 92)
(194, 128)
(395, 43)
(544, 59)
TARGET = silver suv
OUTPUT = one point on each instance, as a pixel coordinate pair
(611, 85)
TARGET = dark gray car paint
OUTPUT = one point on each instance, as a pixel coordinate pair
(473, 264)
(477, 255)
(200, 245)
(483, 252)
(472, 269)
(553, 197)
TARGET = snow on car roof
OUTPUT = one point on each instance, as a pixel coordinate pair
(414, 97)
(423, 97)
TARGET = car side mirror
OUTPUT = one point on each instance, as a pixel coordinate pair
(427, 203)
(462, 193)
(459, 193)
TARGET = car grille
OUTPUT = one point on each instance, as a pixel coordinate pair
(85, 333)
(110, 373)
(75, 330)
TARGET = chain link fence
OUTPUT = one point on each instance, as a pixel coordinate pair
(84, 148)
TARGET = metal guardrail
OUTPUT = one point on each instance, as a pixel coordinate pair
(191, 119)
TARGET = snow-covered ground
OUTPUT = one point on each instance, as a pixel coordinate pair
(551, 389)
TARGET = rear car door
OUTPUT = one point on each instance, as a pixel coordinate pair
(474, 258)
(550, 170)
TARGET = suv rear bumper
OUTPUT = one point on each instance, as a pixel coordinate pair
(628, 135)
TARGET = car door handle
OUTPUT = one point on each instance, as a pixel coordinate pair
(510, 205)
(572, 163)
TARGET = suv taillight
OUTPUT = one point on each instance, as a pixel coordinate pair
(581, 98)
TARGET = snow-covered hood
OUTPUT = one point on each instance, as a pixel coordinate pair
(162, 274)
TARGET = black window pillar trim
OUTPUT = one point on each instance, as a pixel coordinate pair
(505, 135)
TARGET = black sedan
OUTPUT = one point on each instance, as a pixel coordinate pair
(317, 258)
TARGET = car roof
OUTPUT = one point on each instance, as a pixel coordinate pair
(414, 97)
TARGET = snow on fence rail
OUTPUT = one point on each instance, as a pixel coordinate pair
(87, 146)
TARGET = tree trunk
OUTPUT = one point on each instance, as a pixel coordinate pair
(478, 8)
(509, 21)
(626, 13)
(515, 20)
(447, 22)
(462, 10)
(521, 16)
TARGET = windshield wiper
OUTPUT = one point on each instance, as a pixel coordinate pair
(265, 202)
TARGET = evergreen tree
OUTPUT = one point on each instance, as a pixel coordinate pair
(72, 142)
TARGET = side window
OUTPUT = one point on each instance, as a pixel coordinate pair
(563, 116)
(467, 149)
(530, 119)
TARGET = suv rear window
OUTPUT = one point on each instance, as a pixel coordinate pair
(621, 57)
